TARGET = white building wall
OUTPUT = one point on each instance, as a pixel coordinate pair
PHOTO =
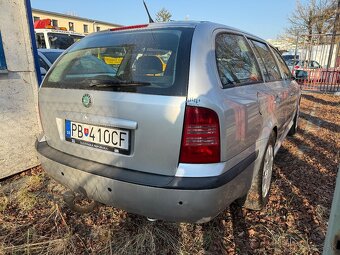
(19, 125)
(319, 53)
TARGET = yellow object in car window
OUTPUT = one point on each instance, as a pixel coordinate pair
(113, 61)
(163, 63)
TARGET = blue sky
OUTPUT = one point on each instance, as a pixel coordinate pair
(264, 18)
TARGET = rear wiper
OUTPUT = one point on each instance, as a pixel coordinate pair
(117, 83)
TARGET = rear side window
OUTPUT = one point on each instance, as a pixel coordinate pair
(145, 61)
(235, 61)
(284, 69)
(267, 62)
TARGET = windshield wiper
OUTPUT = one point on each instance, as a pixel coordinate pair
(112, 81)
(117, 83)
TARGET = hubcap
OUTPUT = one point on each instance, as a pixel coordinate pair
(267, 170)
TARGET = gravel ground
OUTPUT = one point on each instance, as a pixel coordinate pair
(33, 219)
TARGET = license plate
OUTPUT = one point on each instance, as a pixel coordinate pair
(104, 138)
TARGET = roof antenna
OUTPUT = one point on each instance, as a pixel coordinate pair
(146, 8)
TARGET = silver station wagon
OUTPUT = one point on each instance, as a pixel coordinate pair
(172, 121)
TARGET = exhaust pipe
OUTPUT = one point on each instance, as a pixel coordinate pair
(73, 202)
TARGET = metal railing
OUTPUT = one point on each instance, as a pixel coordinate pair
(316, 64)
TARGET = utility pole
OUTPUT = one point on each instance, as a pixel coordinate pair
(333, 35)
(296, 47)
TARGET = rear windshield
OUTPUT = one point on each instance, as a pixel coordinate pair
(144, 61)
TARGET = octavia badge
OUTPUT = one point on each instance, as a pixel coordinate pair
(86, 100)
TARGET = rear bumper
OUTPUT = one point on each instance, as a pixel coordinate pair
(189, 199)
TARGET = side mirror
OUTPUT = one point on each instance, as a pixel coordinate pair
(43, 71)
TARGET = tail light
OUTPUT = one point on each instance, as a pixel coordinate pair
(201, 136)
(296, 67)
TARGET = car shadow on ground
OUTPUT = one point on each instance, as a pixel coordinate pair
(320, 122)
(320, 100)
(298, 181)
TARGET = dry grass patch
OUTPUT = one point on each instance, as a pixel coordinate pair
(26, 200)
(4, 200)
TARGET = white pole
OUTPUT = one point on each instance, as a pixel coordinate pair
(332, 243)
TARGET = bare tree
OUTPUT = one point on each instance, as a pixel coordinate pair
(314, 16)
(324, 16)
(163, 15)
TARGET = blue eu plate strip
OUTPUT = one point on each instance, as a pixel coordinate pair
(67, 128)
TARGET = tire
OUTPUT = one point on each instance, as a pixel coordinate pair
(292, 131)
(258, 194)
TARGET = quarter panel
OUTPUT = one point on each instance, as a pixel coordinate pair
(237, 108)
(242, 119)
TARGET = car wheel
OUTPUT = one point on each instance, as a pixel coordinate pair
(258, 194)
(294, 127)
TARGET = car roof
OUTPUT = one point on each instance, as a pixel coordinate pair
(193, 24)
(207, 24)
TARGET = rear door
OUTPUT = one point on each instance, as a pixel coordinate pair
(241, 81)
(118, 98)
(275, 92)
(293, 87)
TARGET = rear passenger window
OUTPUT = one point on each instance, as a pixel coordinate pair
(284, 69)
(267, 61)
(236, 63)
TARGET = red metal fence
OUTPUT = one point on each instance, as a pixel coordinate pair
(316, 64)
(320, 80)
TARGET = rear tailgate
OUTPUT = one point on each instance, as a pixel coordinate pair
(118, 98)
(154, 124)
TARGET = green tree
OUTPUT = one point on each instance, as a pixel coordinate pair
(163, 15)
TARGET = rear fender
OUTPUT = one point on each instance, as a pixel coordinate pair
(263, 140)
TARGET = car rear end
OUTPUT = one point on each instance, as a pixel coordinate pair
(118, 128)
